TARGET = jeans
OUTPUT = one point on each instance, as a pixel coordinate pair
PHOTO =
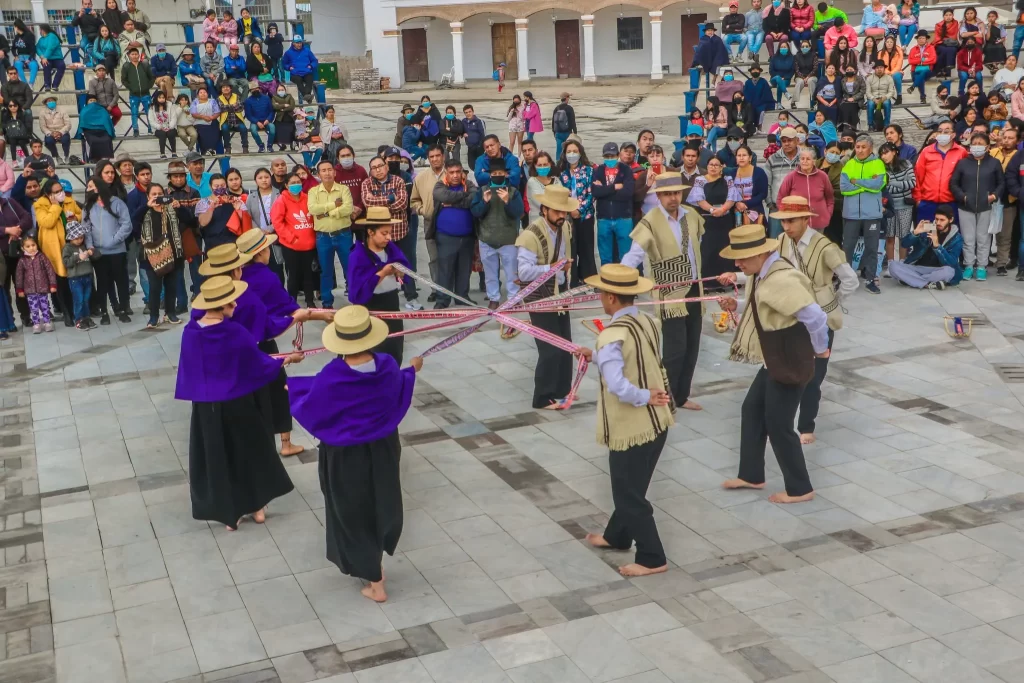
(195, 279)
(312, 158)
(327, 245)
(560, 139)
(897, 79)
(754, 41)
(1018, 40)
(33, 69)
(51, 144)
(53, 73)
(920, 76)
(713, 135)
(906, 34)
(920, 277)
(271, 130)
(506, 257)
(528, 136)
(799, 36)
(133, 103)
(781, 85)
(886, 112)
(85, 50)
(454, 264)
(81, 290)
(225, 134)
(731, 39)
(612, 231)
(964, 77)
(408, 246)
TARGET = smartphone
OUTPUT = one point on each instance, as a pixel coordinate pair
(658, 169)
(165, 200)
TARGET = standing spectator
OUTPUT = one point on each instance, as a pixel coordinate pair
(805, 67)
(35, 281)
(130, 37)
(781, 68)
(934, 172)
(758, 93)
(499, 210)
(1005, 153)
(259, 112)
(17, 130)
(330, 204)
(475, 129)
(212, 64)
(284, 119)
(451, 133)
(275, 49)
(813, 184)
(386, 187)
(613, 190)
(577, 174)
(777, 25)
(23, 47)
(77, 259)
(542, 175)
(734, 31)
(563, 122)
(160, 230)
(500, 76)
(137, 78)
(216, 212)
(751, 181)
(711, 54)
(51, 56)
(55, 126)
(249, 27)
(900, 188)
(801, 18)
(88, 24)
(494, 150)
(861, 182)
(977, 183)
(110, 226)
(351, 175)
(111, 16)
(164, 70)
(53, 210)
(184, 123)
(933, 253)
(904, 150)
(293, 224)
(453, 230)
(753, 22)
(164, 116)
(779, 165)
(421, 201)
(105, 50)
(880, 92)
(300, 62)
(715, 195)
(187, 198)
(532, 119)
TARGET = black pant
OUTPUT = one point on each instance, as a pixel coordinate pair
(407, 245)
(633, 517)
(15, 145)
(583, 263)
(552, 379)
(299, 265)
(100, 144)
(168, 283)
(305, 85)
(454, 264)
(811, 399)
(165, 138)
(62, 301)
(112, 274)
(768, 413)
(681, 344)
(8, 284)
(393, 346)
(849, 113)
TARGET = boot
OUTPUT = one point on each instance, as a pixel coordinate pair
(68, 320)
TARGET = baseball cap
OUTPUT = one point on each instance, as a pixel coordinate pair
(160, 46)
(392, 152)
(694, 129)
(788, 132)
(628, 144)
(610, 148)
(192, 157)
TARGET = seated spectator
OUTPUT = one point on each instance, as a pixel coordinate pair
(16, 130)
(880, 92)
(300, 62)
(235, 71)
(190, 74)
(212, 65)
(249, 30)
(23, 47)
(35, 153)
(18, 90)
(206, 113)
(232, 118)
(840, 29)
(781, 68)
(96, 130)
(105, 50)
(51, 56)
(933, 253)
(164, 70)
(185, 124)
(259, 68)
(130, 37)
(259, 112)
(211, 29)
(284, 118)
(227, 29)
(55, 126)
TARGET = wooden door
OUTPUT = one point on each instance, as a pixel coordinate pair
(503, 48)
(567, 47)
(414, 53)
(690, 36)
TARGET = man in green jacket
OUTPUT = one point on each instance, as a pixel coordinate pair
(824, 18)
(137, 78)
(861, 183)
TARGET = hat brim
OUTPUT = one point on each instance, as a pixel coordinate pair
(769, 246)
(792, 214)
(203, 305)
(642, 286)
(268, 239)
(207, 268)
(346, 347)
(369, 223)
(568, 206)
(669, 188)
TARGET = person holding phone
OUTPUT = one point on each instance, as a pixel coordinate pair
(933, 253)
(163, 255)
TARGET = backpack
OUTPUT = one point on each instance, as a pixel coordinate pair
(494, 75)
(560, 121)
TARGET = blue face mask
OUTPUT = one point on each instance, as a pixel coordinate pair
(449, 116)
(544, 171)
(611, 163)
(162, 53)
(727, 77)
(776, 3)
(783, 50)
(408, 117)
(51, 105)
(805, 50)
(295, 189)
(425, 105)
(88, 10)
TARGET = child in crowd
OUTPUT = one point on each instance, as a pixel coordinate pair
(773, 145)
(35, 280)
(996, 113)
(310, 145)
(78, 258)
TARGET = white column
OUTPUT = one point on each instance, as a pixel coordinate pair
(656, 73)
(38, 13)
(589, 75)
(460, 73)
(522, 33)
(291, 13)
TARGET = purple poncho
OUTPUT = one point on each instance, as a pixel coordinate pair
(251, 314)
(363, 266)
(265, 285)
(221, 362)
(344, 407)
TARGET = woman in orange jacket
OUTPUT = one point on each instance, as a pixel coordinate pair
(293, 224)
(892, 54)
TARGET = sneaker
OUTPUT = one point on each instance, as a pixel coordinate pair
(135, 133)
(432, 297)
(181, 310)
(172, 319)
(153, 324)
(37, 329)
(124, 318)
(872, 286)
(127, 310)
(81, 325)
(105, 319)
(89, 323)
(261, 149)
(1001, 271)
(47, 327)
(885, 273)
(163, 156)
(969, 272)
(938, 285)
(145, 309)
(982, 274)
(413, 305)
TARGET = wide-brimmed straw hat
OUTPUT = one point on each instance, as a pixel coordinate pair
(252, 242)
(354, 331)
(616, 278)
(668, 182)
(558, 198)
(223, 259)
(748, 240)
(793, 206)
(378, 215)
(218, 291)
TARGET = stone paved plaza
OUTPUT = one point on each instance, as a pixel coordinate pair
(908, 566)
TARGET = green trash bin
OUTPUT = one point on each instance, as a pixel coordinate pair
(328, 73)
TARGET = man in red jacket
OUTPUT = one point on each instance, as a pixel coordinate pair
(933, 171)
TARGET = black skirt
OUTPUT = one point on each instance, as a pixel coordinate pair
(363, 504)
(233, 466)
(393, 346)
(285, 133)
(280, 409)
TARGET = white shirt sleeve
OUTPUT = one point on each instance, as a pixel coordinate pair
(816, 322)
(634, 258)
(528, 268)
(848, 280)
(610, 364)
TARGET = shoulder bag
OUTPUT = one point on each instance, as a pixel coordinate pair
(788, 353)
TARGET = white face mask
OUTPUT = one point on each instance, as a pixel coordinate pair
(943, 139)
(978, 151)
(572, 157)
(347, 162)
(734, 145)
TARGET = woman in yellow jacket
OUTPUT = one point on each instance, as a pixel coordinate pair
(892, 55)
(53, 210)
(232, 118)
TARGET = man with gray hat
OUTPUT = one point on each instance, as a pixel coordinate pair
(612, 188)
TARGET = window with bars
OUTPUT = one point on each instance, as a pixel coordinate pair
(630, 33)
(9, 15)
(263, 10)
(56, 19)
(304, 13)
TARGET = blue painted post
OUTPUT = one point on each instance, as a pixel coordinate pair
(321, 95)
(821, 59)
(948, 84)
(190, 34)
(684, 121)
(690, 96)
(79, 76)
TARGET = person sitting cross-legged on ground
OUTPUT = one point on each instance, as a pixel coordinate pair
(933, 253)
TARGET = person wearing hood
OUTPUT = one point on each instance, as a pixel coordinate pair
(300, 62)
(862, 180)
(758, 93)
(977, 183)
(494, 150)
(933, 253)
(781, 68)
(96, 130)
(164, 70)
(727, 85)
(412, 141)
(711, 53)
(275, 49)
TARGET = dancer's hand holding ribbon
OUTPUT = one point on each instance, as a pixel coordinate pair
(727, 303)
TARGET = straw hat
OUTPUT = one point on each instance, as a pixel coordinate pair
(748, 240)
(793, 207)
(377, 215)
(557, 197)
(218, 291)
(354, 331)
(223, 259)
(252, 242)
(668, 182)
(616, 278)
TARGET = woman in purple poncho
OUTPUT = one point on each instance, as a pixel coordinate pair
(233, 466)
(353, 406)
(372, 279)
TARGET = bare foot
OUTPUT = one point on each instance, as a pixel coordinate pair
(289, 449)
(555, 405)
(597, 540)
(740, 484)
(785, 498)
(375, 591)
(807, 439)
(640, 570)
(260, 516)
(691, 405)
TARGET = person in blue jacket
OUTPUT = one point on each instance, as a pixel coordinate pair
(758, 94)
(933, 253)
(300, 62)
(259, 112)
(188, 66)
(235, 70)
(164, 70)
(781, 68)
(711, 53)
(412, 141)
(494, 150)
(249, 27)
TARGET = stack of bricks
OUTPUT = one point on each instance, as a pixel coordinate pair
(366, 80)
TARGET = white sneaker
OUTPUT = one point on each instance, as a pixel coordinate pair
(47, 327)
(37, 329)
(414, 305)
